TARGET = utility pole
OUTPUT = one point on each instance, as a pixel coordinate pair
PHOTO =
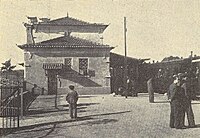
(191, 79)
(191, 56)
(125, 59)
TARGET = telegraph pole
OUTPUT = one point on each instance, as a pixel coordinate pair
(125, 59)
(191, 55)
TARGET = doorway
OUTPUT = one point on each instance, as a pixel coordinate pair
(52, 82)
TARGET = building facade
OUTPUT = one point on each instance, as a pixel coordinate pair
(67, 60)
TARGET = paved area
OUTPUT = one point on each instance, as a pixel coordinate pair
(104, 116)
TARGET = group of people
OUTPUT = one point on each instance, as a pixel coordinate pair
(130, 88)
(179, 95)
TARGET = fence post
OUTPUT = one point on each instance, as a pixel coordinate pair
(18, 99)
(22, 102)
(2, 107)
(24, 85)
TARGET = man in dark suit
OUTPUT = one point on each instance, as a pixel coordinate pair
(187, 103)
(72, 98)
(172, 105)
(150, 88)
(134, 88)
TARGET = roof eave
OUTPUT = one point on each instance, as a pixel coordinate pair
(55, 28)
(25, 46)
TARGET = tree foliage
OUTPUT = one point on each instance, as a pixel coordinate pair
(7, 66)
(170, 58)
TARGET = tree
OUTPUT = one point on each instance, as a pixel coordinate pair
(7, 66)
(170, 58)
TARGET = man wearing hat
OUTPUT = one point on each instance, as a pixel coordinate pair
(151, 89)
(72, 98)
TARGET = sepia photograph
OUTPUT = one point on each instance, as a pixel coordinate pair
(99, 68)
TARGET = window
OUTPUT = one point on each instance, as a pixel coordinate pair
(68, 62)
(83, 66)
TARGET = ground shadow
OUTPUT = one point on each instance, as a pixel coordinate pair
(96, 122)
(104, 114)
(51, 130)
(169, 102)
(89, 122)
(86, 96)
(30, 128)
(87, 104)
(43, 111)
(196, 126)
(195, 103)
(36, 112)
(81, 104)
(161, 102)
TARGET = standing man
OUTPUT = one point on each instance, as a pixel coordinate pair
(150, 88)
(134, 89)
(127, 87)
(187, 103)
(176, 94)
(72, 98)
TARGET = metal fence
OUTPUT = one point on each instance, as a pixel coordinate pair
(10, 108)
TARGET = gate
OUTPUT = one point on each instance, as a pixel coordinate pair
(9, 108)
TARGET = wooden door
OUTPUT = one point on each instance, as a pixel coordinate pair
(52, 82)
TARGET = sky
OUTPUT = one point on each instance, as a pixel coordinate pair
(155, 28)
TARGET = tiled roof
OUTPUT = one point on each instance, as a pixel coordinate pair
(68, 21)
(67, 24)
(117, 60)
(65, 41)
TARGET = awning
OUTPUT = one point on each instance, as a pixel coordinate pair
(52, 65)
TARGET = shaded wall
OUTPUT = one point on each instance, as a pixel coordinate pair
(98, 60)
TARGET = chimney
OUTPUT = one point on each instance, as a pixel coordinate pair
(67, 34)
(29, 33)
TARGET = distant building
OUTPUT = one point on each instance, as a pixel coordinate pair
(56, 63)
(196, 70)
(165, 70)
(118, 72)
